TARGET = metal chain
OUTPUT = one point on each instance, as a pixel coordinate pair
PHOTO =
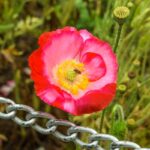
(52, 124)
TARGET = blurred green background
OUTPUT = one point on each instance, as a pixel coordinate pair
(21, 23)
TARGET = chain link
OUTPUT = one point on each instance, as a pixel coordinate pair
(52, 124)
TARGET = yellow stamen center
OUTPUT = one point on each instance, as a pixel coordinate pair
(70, 75)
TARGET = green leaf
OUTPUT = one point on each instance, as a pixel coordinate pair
(6, 27)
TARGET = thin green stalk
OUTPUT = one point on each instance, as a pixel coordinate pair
(117, 38)
(102, 120)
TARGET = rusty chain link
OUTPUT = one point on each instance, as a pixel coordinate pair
(52, 124)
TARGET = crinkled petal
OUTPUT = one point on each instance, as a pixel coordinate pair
(95, 100)
(46, 37)
(65, 44)
(94, 66)
(94, 45)
(58, 98)
(92, 101)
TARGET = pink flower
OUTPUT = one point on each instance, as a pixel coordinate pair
(74, 71)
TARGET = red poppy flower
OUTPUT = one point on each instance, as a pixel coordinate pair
(74, 71)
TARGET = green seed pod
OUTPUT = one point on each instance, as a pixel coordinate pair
(121, 13)
(122, 87)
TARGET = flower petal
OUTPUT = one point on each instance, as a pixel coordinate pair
(46, 37)
(92, 101)
(58, 98)
(65, 44)
(94, 65)
(85, 34)
(49, 93)
(103, 49)
(37, 70)
(95, 100)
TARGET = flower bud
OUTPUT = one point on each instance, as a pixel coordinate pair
(131, 75)
(122, 87)
(121, 13)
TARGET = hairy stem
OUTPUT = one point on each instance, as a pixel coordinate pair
(118, 37)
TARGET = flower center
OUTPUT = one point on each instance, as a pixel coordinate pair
(71, 76)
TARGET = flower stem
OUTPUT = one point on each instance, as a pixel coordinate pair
(102, 120)
(119, 111)
(118, 37)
